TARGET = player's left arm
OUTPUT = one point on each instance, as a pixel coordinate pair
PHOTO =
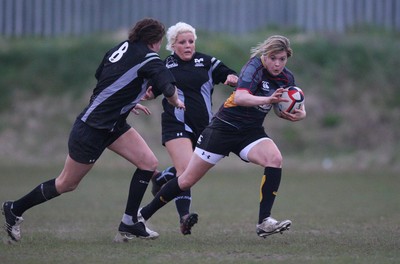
(224, 74)
(231, 80)
(243, 97)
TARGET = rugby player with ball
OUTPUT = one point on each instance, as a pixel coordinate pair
(238, 128)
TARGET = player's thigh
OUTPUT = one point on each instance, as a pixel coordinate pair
(134, 148)
(265, 153)
(180, 150)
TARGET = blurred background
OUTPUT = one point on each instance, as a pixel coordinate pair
(346, 60)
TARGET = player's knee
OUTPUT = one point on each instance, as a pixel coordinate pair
(65, 186)
(150, 164)
(185, 183)
(274, 160)
(154, 164)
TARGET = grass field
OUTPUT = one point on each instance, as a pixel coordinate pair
(338, 217)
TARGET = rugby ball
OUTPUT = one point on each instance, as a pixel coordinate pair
(295, 97)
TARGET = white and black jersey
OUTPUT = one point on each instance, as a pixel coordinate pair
(122, 81)
(195, 80)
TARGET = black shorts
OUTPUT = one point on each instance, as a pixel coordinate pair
(167, 136)
(220, 138)
(172, 129)
(86, 144)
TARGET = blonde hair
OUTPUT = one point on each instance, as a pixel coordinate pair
(272, 45)
(175, 30)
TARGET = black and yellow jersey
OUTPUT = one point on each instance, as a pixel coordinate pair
(257, 81)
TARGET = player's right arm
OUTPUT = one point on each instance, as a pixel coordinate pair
(163, 82)
(171, 94)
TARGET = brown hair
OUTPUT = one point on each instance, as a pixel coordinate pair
(148, 30)
(273, 45)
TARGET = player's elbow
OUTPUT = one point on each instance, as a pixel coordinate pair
(169, 90)
(240, 98)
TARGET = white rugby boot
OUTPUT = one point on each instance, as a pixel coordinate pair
(153, 234)
(270, 226)
(12, 224)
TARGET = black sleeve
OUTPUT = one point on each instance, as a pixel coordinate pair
(160, 77)
(221, 72)
(156, 90)
(169, 90)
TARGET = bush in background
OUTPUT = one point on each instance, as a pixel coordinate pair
(350, 82)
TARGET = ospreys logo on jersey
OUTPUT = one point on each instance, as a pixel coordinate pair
(198, 62)
(171, 63)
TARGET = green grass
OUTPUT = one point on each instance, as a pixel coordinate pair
(338, 217)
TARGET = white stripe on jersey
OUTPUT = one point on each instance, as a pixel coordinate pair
(119, 84)
(214, 63)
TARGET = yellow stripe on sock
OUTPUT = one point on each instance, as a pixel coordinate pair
(263, 180)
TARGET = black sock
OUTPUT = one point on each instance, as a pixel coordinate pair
(140, 181)
(42, 193)
(268, 191)
(166, 175)
(167, 193)
(183, 202)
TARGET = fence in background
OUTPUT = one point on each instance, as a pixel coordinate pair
(79, 17)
